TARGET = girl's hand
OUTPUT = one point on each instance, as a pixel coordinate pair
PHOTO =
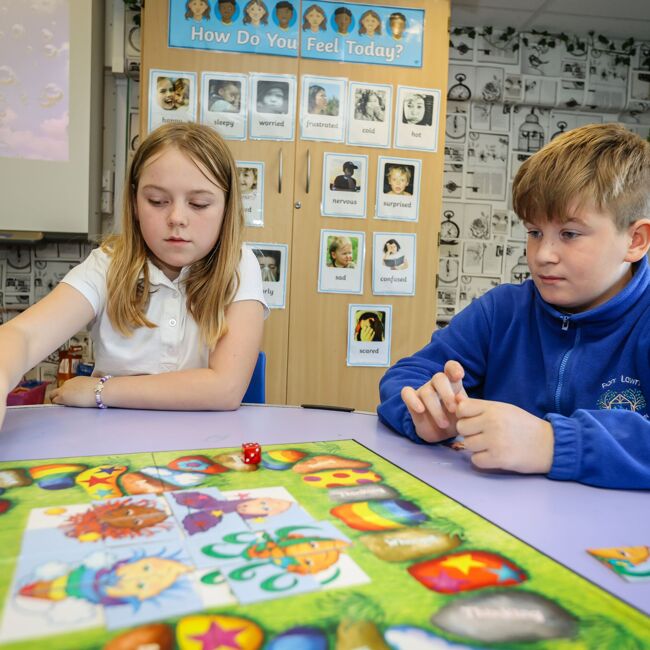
(367, 331)
(78, 391)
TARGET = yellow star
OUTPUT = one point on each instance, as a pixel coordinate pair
(464, 563)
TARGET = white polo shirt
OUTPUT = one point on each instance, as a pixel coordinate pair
(175, 344)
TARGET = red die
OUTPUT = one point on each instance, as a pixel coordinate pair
(252, 453)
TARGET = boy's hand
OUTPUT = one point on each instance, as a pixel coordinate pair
(504, 436)
(78, 391)
(433, 405)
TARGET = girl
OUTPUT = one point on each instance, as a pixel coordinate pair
(370, 23)
(256, 13)
(165, 94)
(317, 100)
(393, 258)
(314, 19)
(369, 327)
(370, 105)
(176, 306)
(197, 10)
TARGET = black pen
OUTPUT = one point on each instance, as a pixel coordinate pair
(325, 407)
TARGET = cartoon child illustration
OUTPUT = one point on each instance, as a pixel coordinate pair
(305, 555)
(398, 178)
(181, 93)
(392, 257)
(284, 13)
(369, 327)
(340, 253)
(227, 10)
(103, 581)
(314, 19)
(370, 105)
(226, 96)
(343, 19)
(121, 519)
(165, 93)
(370, 23)
(269, 262)
(345, 181)
(205, 512)
(197, 10)
(247, 180)
(415, 109)
(256, 13)
(272, 97)
(397, 25)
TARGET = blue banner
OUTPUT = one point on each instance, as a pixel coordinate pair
(360, 33)
(234, 26)
(331, 31)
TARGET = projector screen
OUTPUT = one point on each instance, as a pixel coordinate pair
(51, 81)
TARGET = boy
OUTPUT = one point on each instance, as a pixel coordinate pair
(552, 376)
(226, 10)
(284, 14)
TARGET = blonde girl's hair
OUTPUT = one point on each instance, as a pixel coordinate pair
(601, 163)
(212, 281)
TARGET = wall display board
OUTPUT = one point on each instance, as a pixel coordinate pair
(362, 33)
(255, 26)
(316, 127)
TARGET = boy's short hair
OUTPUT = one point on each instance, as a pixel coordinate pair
(603, 163)
(342, 11)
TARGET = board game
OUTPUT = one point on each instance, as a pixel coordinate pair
(322, 545)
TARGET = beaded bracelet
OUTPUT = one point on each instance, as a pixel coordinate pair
(98, 391)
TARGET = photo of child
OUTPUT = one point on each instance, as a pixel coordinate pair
(346, 181)
(342, 251)
(272, 97)
(165, 95)
(256, 13)
(181, 93)
(399, 179)
(318, 102)
(314, 19)
(369, 326)
(369, 105)
(393, 257)
(417, 108)
(247, 180)
(269, 261)
(225, 96)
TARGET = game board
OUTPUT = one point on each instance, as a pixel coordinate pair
(324, 545)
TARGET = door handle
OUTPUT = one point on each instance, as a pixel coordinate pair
(307, 184)
(280, 172)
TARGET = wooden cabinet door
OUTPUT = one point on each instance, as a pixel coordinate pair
(318, 321)
(278, 157)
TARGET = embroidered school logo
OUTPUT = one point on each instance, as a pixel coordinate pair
(631, 399)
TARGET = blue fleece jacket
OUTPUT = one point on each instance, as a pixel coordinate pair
(588, 374)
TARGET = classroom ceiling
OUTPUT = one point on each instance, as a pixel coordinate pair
(613, 18)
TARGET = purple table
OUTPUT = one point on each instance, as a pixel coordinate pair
(559, 519)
